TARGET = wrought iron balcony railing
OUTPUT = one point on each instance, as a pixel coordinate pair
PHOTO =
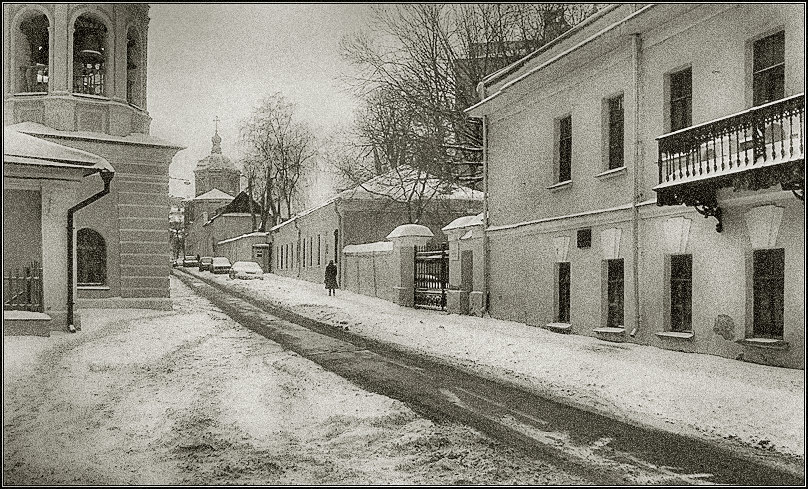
(763, 136)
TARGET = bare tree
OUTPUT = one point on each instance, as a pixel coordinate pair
(278, 151)
(424, 62)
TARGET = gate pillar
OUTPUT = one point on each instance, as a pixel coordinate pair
(405, 238)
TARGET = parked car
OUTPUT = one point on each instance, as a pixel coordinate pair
(220, 265)
(246, 270)
(204, 263)
(190, 261)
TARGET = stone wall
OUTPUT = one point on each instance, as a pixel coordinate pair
(369, 269)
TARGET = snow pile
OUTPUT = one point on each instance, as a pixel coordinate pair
(718, 399)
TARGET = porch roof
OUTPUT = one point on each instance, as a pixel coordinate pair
(24, 149)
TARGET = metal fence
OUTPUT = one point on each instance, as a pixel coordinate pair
(22, 289)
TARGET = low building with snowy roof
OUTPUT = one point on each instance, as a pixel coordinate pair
(303, 245)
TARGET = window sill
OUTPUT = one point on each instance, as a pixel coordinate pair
(559, 327)
(677, 335)
(90, 96)
(614, 172)
(617, 335)
(30, 94)
(765, 343)
(92, 287)
(559, 186)
(610, 330)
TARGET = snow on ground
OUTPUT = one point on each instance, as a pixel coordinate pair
(191, 397)
(743, 405)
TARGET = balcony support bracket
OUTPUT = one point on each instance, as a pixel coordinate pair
(700, 197)
(708, 209)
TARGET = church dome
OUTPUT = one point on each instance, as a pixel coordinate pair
(216, 160)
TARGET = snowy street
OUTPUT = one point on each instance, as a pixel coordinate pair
(754, 410)
(191, 397)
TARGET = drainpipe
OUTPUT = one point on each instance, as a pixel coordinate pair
(486, 257)
(636, 49)
(106, 175)
(340, 238)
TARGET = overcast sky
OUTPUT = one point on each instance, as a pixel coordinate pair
(220, 60)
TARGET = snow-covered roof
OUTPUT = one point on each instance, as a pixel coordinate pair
(214, 194)
(24, 149)
(304, 213)
(464, 222)
(405, 180)
(134, 138)
(411, 230)
(377, 247)
(395, 184)
(257, 234)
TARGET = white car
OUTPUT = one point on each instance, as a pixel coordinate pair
(246, 270)
(220, 264)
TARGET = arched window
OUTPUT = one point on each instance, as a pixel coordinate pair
(91, 257)
(89, 56)
(133, 69)
(31, 54)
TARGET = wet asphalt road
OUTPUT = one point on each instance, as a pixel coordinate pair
(601, 449)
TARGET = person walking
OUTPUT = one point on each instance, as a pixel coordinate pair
(331, 278)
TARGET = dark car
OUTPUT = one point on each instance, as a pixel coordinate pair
(190, 261)
(204, 263)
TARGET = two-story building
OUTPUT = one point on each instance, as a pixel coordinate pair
(644, 178)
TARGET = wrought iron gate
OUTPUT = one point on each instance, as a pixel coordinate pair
(431, 276)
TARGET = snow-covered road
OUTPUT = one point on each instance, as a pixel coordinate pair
(190, 397)
(755, 409)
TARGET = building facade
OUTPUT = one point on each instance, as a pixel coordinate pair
(75, 75)
(303, 245)
(606, 151)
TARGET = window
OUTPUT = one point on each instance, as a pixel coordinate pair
(133, 69)
(768, 69)
(614, 293)
(89, 46)
(565, 149)
(681, 94)
(768, 288)
(311, 247)
(304, 252)
(31, 55)
(319, 251)
(91, 258)
(584, 238)
(563, 292)
(615, 106)
(681, 292)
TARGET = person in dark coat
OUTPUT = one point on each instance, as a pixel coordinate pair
(331, 278)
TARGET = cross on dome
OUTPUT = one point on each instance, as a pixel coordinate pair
(216, 139)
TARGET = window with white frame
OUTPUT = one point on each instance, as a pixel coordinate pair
(768, 69)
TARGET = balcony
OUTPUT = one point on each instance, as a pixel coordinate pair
(751, 150)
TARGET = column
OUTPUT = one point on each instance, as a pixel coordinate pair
(405, 238)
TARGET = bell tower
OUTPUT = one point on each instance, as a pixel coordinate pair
(76, 67)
